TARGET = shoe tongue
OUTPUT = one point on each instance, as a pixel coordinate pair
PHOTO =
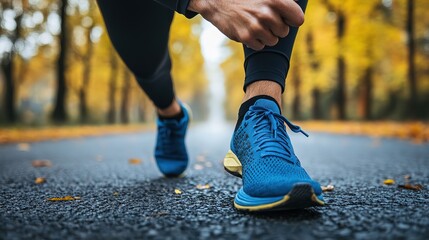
(268, 104)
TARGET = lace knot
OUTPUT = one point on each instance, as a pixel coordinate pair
(270, 133)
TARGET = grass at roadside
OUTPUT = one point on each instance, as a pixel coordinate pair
(417, 132)
(16, 135)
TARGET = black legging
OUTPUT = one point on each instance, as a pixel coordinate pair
(139, 31)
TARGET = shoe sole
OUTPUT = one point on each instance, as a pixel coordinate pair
(301, 196)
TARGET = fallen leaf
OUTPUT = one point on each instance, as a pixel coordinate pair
(206, 186)
(415, 187)
(389, 181)
(198, 167)
(66, 198)
(25, 147)
(177, 191)
(40, 180)
(115, 194)
(328, 188)
(201, 158)
(41, 163)
(134, 161)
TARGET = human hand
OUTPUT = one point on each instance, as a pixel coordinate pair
(255, 23)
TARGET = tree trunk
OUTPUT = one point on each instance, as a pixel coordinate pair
(296, 103)
(8, 67)
(83, 110)
(413, 98)
(341, 91)
(341, 94)
(314, 64)
(111, 114)
(141, 106)
(365, 96)
(341, 68)
(125, 102)
(84, 115)
(60, 113)
(9, 89)
(392, 104)
(317, 113)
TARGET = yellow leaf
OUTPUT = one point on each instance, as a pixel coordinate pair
(41, 163)
(328, 188)
(206, 186)
(177, 191)
(25, 147)
(416, 187)
(389, 181)
(40, 180)
(134, 161)
(66, 198)
(198, 167)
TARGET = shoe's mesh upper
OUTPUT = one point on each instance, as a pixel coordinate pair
(265, 176)
(170, 150)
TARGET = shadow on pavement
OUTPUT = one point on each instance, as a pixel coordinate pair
(218, 199)
(290, 215)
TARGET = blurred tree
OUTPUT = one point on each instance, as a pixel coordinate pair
(59, 113)
(234, 78)
(83, 49)
(412, 79)
(21, 37)
(111, 99)
(125, 100)
(7, 60)
(314, 66)
(341, 24)
(296, 87)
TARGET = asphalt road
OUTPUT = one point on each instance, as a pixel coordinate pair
(120, 200)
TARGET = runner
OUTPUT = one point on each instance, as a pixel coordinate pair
(261, 151)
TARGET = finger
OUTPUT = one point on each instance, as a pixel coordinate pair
(290, 11)
(272, 21)
(282, 32)
(277, 26)
(267, 38)
(254, 44)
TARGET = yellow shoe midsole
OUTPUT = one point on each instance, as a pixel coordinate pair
(232, 164)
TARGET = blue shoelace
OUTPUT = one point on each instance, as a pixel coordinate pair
(270, 133)
(168, 136)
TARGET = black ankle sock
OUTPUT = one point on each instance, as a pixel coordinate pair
(177, 117)
(247, 104)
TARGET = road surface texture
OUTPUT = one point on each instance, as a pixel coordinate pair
(119, 200)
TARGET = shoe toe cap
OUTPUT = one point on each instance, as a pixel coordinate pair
(171, 168)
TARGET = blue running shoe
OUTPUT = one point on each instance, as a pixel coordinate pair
(170, 150)
(262, 154)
